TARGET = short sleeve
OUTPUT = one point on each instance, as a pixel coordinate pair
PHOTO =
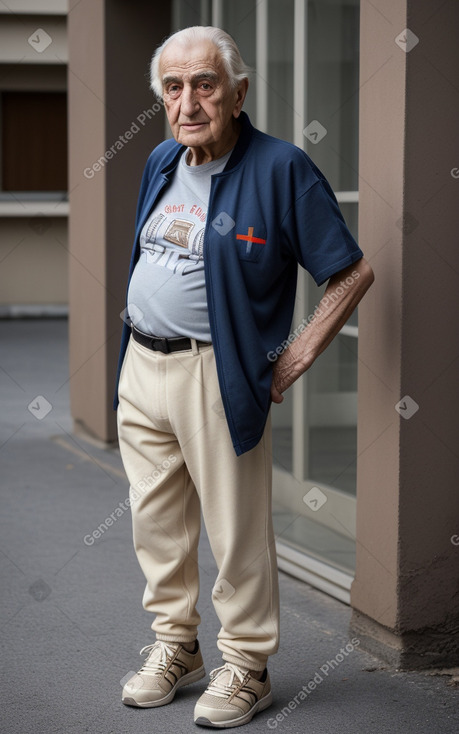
(317, 235)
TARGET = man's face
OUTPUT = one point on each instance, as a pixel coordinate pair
(200, 104)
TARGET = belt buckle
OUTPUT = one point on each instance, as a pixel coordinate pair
(161, 344)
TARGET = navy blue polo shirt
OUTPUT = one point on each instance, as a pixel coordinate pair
(270, 209)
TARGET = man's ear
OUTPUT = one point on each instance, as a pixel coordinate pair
(240, 97)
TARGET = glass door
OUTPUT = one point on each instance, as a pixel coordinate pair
(315, 429)
(305, 89)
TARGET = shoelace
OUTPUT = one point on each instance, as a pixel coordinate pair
(217, 687)
(158, 664)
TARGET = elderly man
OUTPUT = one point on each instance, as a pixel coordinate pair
(225, 215)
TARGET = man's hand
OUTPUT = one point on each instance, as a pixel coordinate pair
(338, 302)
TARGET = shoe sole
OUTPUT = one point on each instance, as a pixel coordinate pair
(261, 705)
(183, 681)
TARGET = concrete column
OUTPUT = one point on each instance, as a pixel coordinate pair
(113, 125)
(405, 593)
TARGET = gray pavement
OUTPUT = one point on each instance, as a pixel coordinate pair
(72, 623)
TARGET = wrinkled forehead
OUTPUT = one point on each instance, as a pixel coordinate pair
(187, 59)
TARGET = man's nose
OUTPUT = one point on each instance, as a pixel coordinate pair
(189, 101)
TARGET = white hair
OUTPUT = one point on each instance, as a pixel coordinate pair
(229, 53)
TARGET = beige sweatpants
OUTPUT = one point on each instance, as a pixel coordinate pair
(179, 459)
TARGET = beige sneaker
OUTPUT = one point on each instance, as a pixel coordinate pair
(168, 667)
(232, 697)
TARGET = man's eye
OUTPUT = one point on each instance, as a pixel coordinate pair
(206, 87)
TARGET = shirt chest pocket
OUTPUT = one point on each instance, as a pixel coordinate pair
(250, 242)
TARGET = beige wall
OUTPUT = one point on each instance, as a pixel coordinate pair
(15, 46)
(110, 48)
(33, 253)
(29, 7)
(32, 247)
(405, 589)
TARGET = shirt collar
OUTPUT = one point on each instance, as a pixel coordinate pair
(242, 143)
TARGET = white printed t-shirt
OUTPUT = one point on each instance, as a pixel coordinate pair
(167, 292)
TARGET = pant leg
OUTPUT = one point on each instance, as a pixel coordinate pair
(235, 495)
(164, 504)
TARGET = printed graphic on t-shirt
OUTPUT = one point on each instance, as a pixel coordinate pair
(172, 246)
(197, 248)
(183, 233)
(150, 234)
(178, 232)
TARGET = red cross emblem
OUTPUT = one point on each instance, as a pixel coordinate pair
(249, 238)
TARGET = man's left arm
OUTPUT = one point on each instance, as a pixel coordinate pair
(335, 307)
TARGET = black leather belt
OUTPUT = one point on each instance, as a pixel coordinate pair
(163, 344)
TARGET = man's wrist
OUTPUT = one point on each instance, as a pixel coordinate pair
(288, 369)
(298, 359)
